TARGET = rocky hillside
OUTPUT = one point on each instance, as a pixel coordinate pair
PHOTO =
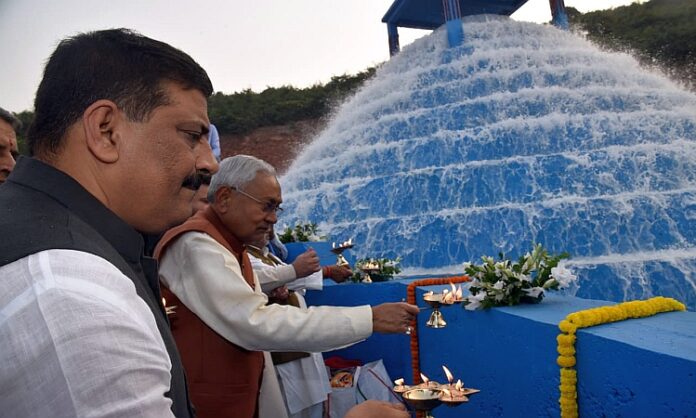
(279, 145)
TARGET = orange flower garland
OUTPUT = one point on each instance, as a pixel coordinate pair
(589, 318)
(411, 298)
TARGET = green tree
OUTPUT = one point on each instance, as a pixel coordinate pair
(243, 111)
(657, 32)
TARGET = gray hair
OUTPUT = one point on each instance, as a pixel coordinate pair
(237, 171)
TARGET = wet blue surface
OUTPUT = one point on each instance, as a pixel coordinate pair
(524, 134)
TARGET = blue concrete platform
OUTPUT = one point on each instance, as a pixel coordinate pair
(636, 368)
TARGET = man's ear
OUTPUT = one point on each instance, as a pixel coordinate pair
(100, 121)
(223, 199)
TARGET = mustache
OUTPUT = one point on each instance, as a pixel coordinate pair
(196, 180)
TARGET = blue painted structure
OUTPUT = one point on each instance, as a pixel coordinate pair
(431, 14)
(636, 368)
(453, 16)
(559, 17)
(523, 134)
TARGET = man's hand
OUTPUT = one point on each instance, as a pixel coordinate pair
(393, 318)
(339, 274)
(377, 409)
(279, 295)
(306, 263)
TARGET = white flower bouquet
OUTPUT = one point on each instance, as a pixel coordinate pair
(504, 283)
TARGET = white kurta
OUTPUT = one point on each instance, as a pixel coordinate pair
(208, 279)
(304, 381)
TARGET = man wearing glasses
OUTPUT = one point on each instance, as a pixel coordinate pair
(222, 324)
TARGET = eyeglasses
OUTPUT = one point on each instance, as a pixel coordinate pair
(268, 207)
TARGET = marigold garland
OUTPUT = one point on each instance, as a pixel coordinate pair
(589, 318)
(411, 298)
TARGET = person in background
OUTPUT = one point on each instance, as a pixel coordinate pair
(276, 247)
(214, 140)
(9, 125)
(117, 147)
(304, 265)
(200, 200)
(223, 325)
(303, 378)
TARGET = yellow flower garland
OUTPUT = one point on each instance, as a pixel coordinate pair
(590, 318)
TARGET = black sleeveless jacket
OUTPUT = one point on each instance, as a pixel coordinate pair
(42, 208)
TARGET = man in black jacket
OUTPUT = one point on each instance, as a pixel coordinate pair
(118, 145)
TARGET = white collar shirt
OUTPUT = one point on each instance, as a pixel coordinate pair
(76, 340)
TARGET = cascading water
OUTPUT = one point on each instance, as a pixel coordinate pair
(524, 134)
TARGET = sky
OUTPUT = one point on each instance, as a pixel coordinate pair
(241, 44)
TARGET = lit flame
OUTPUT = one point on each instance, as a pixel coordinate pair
(424, 378)
(164, 302)
(399, 382)
(450, 378)
(447, 297)
(459, 385)
(454, 289)
(459, 292)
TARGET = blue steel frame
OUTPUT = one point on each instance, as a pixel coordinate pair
(429, 14)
